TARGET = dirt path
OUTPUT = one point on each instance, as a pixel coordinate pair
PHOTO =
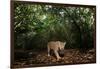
(71, 56)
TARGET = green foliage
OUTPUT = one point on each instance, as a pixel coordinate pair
(35, 25)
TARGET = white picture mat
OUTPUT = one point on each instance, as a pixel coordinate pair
(5, 34)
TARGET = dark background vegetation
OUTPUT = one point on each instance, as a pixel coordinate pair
(37, 24)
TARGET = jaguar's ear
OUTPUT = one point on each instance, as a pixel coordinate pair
(64, 43)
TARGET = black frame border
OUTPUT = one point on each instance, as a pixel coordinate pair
(45, 3)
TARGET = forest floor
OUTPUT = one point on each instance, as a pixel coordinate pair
(71, 56)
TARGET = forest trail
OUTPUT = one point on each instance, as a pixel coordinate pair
(71, 56)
